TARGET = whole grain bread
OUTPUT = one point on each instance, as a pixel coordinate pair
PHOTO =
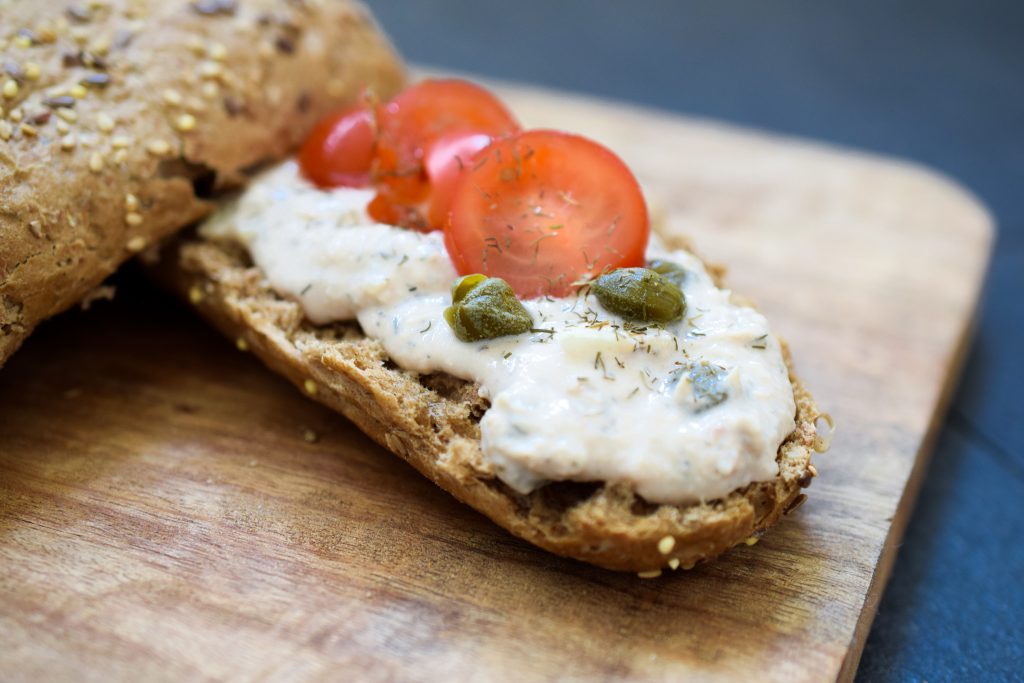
(432, 421)
(118, 118)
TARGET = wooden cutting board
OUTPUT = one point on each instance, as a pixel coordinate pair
(169, 510)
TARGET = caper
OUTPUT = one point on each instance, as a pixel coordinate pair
(484, 308)
(706, 381)
(640, 295)
(465, 285)
(673, 272)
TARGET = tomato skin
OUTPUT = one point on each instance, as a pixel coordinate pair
(544, 209)
(412, 122)
(447, 158)
(340, 150)
(444, 160)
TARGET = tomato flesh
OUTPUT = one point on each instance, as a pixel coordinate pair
(340, 149)
(447, 158)
(415, 119)
(543, 209)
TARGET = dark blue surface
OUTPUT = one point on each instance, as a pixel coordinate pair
(939, 82)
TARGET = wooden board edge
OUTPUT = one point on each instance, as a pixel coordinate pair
(908, 500)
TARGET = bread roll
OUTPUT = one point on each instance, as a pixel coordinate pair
(120, 118)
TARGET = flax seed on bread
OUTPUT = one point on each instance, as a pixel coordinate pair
(118, 118)
(432, 421)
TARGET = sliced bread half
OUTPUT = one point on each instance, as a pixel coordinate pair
(432, 421)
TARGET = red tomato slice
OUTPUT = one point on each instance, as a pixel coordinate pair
(543, 209)
(446, 159)
(339, 151)
(418, 116)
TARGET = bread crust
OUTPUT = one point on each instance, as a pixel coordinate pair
(118, 119)
(433, 423)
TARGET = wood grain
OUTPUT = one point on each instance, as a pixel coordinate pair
(169, 510)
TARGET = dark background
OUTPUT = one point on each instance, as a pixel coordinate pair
(939, 82)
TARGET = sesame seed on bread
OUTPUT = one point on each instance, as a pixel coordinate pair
(432, 421)
(119, 118)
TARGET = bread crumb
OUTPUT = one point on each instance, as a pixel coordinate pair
(69, 115)
(309, 436)
(210, 69)
(653, 574)
(823, 442)
(216, 51)
(46, 35)
(100, 46)
(241, 344)
(195, 295)
(28, 130)
(101, 293)
(131, 202)
(310, 387)
(120, 142)
(674, 563)
(79, 34)
(751, 540)
(185, 123)
(32, 71)
(68, 142)
(5, 130)
(158, 147)
(196, 45)
(10, 89)
(95, 162)
(666, 545)
(172, 97)
(104, 122)
(78, 91)
(137, 243)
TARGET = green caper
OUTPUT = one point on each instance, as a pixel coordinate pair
(640, 295)
(484, 308)
(706, 380)
(673, 272)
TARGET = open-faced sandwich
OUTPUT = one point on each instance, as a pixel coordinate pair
(489, 303)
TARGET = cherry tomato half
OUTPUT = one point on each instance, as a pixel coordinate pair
(444, 160)
(339, 151)
(447, 158)
(412, 121)
(543, 209)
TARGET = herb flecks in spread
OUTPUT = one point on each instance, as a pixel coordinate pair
(584, 395)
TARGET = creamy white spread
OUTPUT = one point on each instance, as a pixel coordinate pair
(586, 398)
